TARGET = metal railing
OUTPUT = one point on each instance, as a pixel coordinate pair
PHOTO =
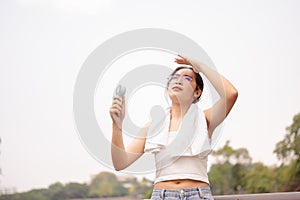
(263, 196)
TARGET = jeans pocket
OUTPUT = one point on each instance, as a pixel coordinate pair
(205, 194)
(155, 198)
(208, 197)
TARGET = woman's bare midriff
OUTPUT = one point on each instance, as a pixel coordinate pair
(180, 184)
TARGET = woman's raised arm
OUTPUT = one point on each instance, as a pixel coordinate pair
(227, 92)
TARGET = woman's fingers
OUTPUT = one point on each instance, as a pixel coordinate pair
(123, 101)
(117, 98)
(181, 56)
(117, 102)
(182, 60)
(117, 107)
(115, 111)
(178, 60)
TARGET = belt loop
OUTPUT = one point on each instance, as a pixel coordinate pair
(181, 194)
(200, 192)
(162, 194)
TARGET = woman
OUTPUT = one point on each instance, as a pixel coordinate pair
(180, 175)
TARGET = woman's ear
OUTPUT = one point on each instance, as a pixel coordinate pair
(197, 93)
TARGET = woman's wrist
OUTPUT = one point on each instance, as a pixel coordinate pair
(196, 65)
(116, 127)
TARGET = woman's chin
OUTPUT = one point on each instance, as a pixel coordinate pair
(178, 100)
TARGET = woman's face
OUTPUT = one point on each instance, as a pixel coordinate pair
(182, 86)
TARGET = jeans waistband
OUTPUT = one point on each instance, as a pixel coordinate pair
(182, 192)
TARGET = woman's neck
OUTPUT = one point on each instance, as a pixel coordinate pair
(178, 111)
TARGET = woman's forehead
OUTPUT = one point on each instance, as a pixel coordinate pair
(185, 71)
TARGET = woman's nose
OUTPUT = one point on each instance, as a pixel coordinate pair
(179, 80)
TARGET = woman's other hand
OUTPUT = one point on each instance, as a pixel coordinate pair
(117, 110)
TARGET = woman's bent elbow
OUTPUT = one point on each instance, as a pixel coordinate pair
(119, 166)
(235, 94)
(231, 98)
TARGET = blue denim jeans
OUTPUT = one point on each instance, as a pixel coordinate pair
(182, 194)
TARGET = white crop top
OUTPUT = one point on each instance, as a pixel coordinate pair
(183, 167)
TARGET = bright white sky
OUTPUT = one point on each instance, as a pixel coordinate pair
(254, 43)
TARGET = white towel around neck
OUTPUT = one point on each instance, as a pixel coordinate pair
(192, 136)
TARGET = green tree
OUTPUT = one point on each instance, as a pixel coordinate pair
(288, 152)
(261, 179)
(56, 187)
(106, 184)
(227, 175)
(56, 191)
(289, 148)
(227, 154)
(286, 180)
(38, 194)
(75, 190)
(221, 178)
(144, 186)
(148, 193)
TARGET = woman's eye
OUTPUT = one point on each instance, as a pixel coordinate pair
(187, 78)
(173, 77)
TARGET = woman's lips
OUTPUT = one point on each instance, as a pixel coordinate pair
(176, 88)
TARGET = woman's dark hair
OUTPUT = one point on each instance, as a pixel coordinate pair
(198, 78)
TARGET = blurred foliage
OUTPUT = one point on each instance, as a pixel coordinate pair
(288, 152)
(227, 175)
(104, 184)
(232, 173)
